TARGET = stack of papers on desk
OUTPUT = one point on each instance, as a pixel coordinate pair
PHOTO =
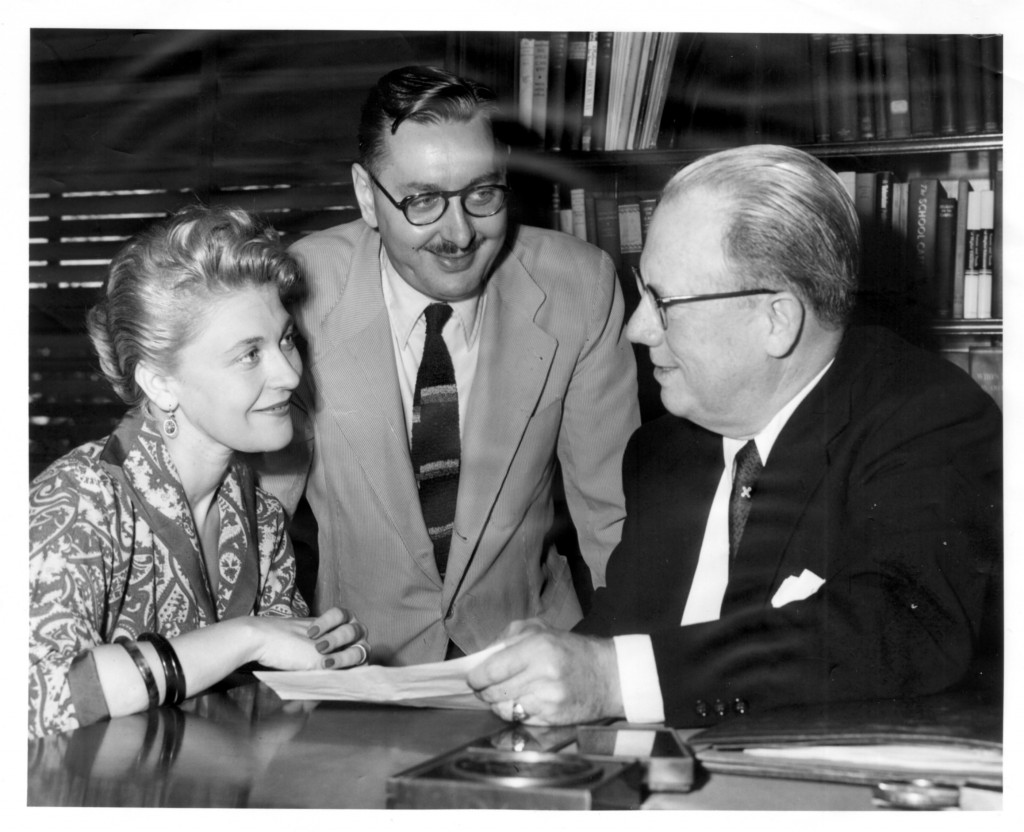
(947, 738)
(437, 685)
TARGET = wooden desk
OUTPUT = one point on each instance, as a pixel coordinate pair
(244, 747)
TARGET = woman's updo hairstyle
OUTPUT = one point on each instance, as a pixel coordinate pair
(161, 281)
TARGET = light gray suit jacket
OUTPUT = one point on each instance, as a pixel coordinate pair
(555, 376)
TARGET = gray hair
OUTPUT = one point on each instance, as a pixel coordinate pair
(792, 223)
(160, 282)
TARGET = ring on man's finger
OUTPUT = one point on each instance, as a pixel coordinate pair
(364, 650)
(518, 712)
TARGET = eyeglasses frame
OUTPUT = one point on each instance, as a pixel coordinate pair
(661, 305)
(446, 195)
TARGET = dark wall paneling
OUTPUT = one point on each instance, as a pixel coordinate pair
(126, 126)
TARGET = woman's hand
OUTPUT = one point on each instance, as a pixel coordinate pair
(331, 641)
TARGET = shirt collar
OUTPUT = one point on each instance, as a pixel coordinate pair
(766, 438)
(406, 305)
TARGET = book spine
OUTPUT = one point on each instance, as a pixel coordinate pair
(922, 88)
(968, 81)
(631, 237)
(555, 211)
(539, 108)
(589, 90)
(960, 248)
(606, 214)
(997, 243)
(865, 198)
(865, 104)
(991, 74)
(667, 46)
(575, 73)
(972, 263)
(602, 84)
(644, 81)
(526, 82)
(922, 222)
(578, 201)
(819, 87)
(945, 239)
(987, 222)
(878, 86)
(591, 218)
(884, 208)
(945, 83)
(842, 86)
(897, 86)
(557, 58)
(565, 220)
(647, 206)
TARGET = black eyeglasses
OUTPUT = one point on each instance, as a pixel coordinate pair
(661, 304)
(423, 209)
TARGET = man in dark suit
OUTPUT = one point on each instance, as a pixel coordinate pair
(436, 554)
(817, 518)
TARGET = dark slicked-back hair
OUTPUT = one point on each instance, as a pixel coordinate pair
(422, 94)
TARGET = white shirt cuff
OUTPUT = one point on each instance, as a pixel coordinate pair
(638, 679)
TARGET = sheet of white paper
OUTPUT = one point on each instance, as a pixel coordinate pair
(912, 757)
(439, 685)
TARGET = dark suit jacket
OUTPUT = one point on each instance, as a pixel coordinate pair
(886, 482)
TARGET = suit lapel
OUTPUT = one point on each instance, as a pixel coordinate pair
(355, 374)
(793, 475)
(514, 363)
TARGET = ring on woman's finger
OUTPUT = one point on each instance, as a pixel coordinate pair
(364, 650)
(518, 712)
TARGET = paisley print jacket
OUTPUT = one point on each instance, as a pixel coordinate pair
(113, 552)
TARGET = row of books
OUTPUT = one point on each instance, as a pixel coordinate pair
(944, 235)
(644, 90)
(616, 223)
(594, 90)
(868, 87)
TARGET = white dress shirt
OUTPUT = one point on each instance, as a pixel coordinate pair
(461, 334)
(638, 673)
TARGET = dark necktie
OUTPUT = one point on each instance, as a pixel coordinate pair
(748, 467)
(435, 435)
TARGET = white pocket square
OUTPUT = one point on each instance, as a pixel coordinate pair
(796, 588)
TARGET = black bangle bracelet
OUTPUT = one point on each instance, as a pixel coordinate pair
(174, 675)
(132, 649)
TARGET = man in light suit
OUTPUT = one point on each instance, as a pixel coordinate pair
(543, 376)
(852, 552)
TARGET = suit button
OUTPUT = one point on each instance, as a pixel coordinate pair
(720, 708)
(740, 706)
(701, 707)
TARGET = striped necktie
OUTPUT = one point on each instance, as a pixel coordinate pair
(435, 435)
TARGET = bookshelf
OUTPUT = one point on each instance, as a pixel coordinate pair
(841, 98)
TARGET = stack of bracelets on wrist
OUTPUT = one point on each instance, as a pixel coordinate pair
(174, 676)
(144, 669)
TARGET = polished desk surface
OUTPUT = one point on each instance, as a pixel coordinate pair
(245, 747)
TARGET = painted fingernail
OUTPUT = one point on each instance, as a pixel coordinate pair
(322, 645)
(313, 631)
(328, 662)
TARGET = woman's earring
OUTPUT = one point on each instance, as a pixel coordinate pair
(171, 425)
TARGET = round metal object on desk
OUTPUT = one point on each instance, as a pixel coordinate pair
(525, 769)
